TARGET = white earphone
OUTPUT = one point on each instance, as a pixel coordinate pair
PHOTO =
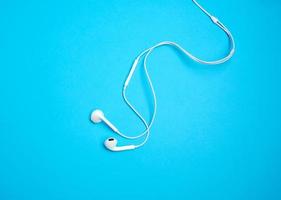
(98, 116)
(111, 144)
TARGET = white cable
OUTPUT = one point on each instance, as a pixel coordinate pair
(148, 52)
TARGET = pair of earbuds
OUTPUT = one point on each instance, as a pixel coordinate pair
(98, 116)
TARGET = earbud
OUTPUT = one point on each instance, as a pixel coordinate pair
(111, 144)
(97, 116)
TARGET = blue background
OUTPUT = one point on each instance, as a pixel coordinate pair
(217, 134)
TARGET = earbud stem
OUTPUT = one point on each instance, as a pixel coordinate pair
(109, 124)
(122, 148)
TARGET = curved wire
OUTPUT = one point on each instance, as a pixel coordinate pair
(146, 53)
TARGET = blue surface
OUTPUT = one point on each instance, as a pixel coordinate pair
(217, 134)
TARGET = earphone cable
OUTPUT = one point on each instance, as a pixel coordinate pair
(146, 53)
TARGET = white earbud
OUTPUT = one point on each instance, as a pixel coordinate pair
(97, 116)
(111, 144)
